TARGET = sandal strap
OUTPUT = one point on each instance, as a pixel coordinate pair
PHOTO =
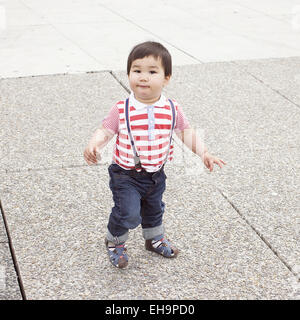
(163, 247)
(117, 254)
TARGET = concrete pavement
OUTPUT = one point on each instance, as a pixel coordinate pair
(237, 77)
(71, 36)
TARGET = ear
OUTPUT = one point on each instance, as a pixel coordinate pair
(167, 80)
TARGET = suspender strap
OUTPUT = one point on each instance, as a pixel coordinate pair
(172, 129)
(136, 157)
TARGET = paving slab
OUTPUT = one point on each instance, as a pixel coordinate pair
(88, 37)
(18, 14)
(234, 110)
(9, 287)
(58, 220)
(256, 130)
(47, 121)
(112, 53)
(218, 31)
(27, 50)
(3, 234)
(88, 11)
(263, 186)
(57, 209)
(42, 37)
(286, 79)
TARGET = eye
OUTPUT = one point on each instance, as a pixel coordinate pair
(153, 72)
(137, 71)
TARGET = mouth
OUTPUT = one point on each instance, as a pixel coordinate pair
(143, 86)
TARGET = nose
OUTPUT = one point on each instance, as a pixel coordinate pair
(144, 77)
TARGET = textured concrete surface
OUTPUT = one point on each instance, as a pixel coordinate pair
(9, 286)
(234, 111)
(59, 217)
(61, 110)
(287, 80)
(3, 235)
(236, 228)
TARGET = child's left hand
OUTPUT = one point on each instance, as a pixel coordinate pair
(209, 161)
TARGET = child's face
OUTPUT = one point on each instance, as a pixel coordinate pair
(147, 79)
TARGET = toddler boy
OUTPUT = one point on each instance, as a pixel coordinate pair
(144, 124)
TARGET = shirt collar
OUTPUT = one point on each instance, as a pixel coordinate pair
(139, 105)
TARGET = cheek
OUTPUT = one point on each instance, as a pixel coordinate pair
(131, 80)
(159, 83)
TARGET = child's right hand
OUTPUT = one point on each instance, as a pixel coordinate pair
(98, 141)
(91, 155)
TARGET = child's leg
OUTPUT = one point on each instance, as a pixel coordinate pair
(152, 212)
(125, 214)
(152, 207)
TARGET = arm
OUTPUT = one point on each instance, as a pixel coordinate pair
(194, 143)
(99, 140)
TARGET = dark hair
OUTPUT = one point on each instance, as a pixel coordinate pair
(154, 49)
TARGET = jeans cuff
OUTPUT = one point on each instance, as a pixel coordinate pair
(150, 233)
(117, 240)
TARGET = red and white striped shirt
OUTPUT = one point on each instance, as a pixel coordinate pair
(150, 127)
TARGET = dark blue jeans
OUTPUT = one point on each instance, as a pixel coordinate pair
(137, 200)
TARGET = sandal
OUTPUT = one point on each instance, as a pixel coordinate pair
(117, 254)
(161, 246)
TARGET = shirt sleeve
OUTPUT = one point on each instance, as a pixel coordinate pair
(111, 121)
(182, 122)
